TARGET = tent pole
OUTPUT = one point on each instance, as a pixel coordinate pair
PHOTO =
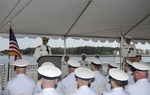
(65, 45)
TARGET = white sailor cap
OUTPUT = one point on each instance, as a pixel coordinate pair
(84, 73)
(118, 74)
(128, 37)
(83, 54)
(96, 61)
(47, 64)
(112, 64)
(129, 62)
(49, 72)
(140, 66)
(21, 63)
(73, 63)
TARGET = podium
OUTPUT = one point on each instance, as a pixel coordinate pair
(137, 58)
(56, 60)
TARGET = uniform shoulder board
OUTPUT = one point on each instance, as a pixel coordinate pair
(38, 46)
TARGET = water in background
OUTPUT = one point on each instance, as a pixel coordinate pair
(32, 60)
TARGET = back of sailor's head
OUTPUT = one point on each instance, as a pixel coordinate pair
(21, 63)
(49, 72)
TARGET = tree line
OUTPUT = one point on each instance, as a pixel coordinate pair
(89, 50)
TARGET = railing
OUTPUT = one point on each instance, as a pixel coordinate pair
(31, 71)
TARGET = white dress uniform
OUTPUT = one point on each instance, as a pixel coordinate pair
(99, 81)
(84, 90)
(20, 84)
(108, 86)
(48, 91)
(38, 88)
(131, 77)
(64, 69)
(140, 87)
(84, 64)
(42, 51)
(117, 91)
(69, 84)
(129, 51)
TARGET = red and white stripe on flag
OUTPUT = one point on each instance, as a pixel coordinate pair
(13, 46)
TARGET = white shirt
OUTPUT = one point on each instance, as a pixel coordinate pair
(117, 91)
(84, 90)
(48, 91)
(84, 64)
(38, 88)
(41, 51)
(140, 87)
(99, 81)
(20, 84)
(129, 51)
(108, 86)
(64, 69)
(69, 84)
(131, 77)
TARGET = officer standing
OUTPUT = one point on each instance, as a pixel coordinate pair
(83, 61)
(43, 49)
(128, 49)
(64, 67)
(21, 84)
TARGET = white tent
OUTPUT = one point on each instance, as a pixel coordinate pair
(87, 19)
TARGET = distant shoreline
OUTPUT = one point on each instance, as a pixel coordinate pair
(143, 55)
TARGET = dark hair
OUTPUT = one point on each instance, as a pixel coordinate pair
(118, 82)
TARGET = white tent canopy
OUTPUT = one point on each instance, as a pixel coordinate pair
(87, 19)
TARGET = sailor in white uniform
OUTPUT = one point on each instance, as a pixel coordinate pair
(43, 49)
(99, 79)
(111, 65)
(49, 76)
(118, 79)
(83, 61)
(128, 68)
(69, 83)
(142, 85)
(38, 88)
(84, 76)
(64, 66)
(21, 84)
(128, 50)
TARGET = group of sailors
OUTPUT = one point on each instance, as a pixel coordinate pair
(80, 79)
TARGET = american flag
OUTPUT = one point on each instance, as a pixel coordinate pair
(13, 46)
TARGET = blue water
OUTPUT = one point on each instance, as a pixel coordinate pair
(32, 60)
